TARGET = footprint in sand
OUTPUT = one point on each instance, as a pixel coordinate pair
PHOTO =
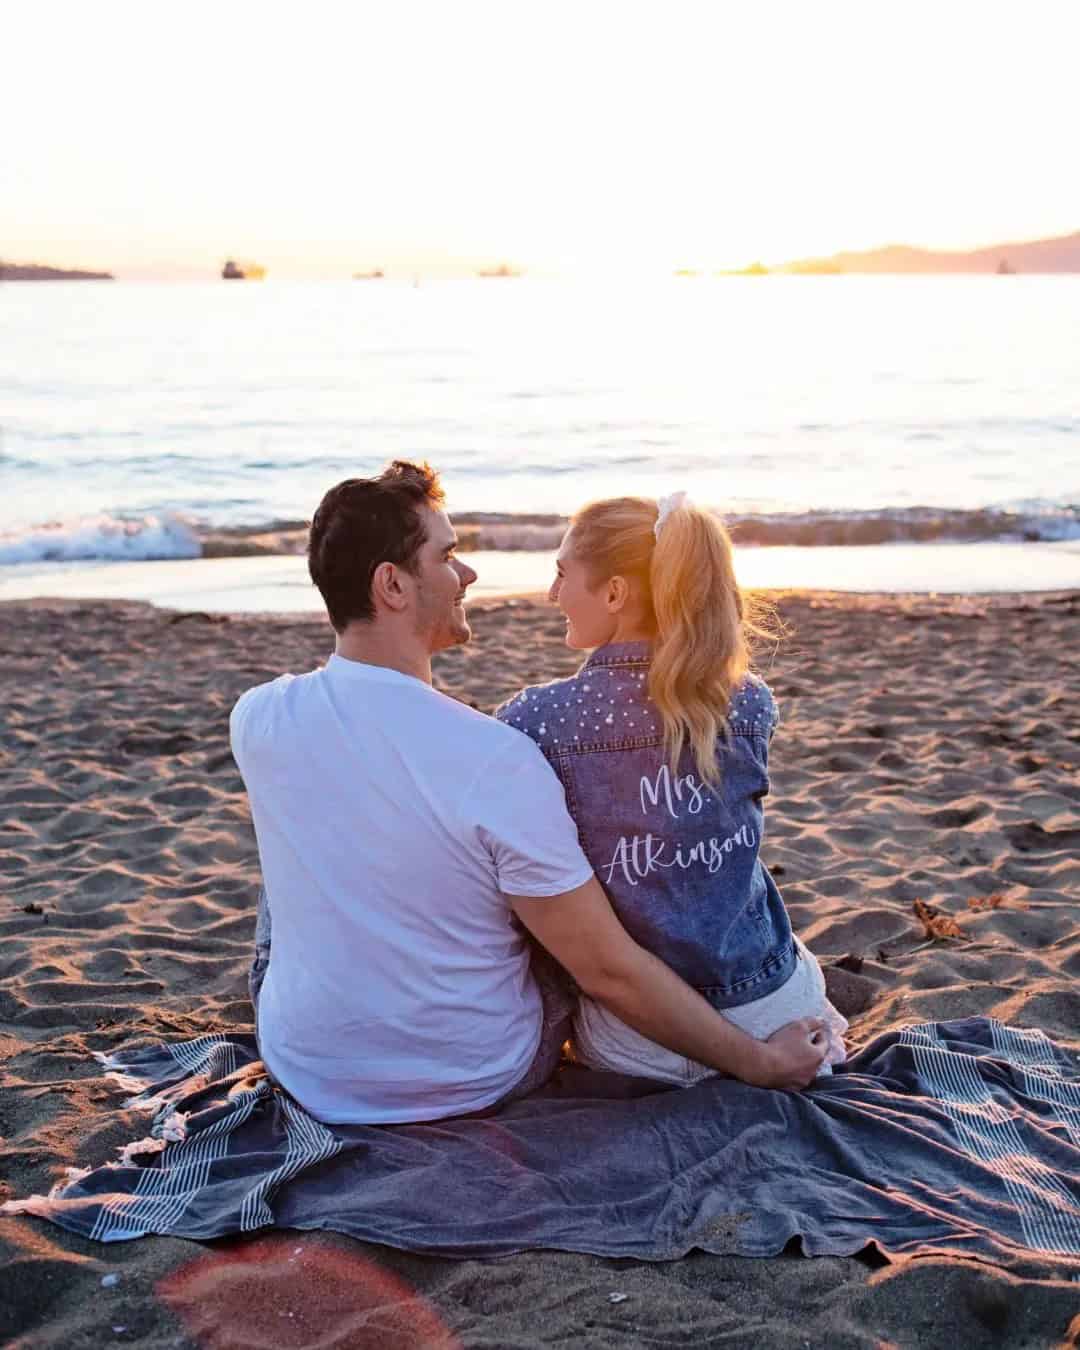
(1030, 837)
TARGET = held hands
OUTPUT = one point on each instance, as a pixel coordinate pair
(791, 1057)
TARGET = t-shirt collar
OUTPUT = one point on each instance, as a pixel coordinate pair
(348, 669)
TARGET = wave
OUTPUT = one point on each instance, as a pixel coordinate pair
(103, 537)
(519, 532)
(151, 537)
(913, 524)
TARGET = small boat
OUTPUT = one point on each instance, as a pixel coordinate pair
(501, 271)
(377, 275)
(234, 271)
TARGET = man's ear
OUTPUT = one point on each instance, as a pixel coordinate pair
(387, 587)
(618, 592)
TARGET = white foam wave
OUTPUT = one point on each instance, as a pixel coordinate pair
(105, 537)
(1032, 520)
(512, 537)
(173, 536)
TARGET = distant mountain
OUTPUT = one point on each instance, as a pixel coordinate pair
(36, 272)
(1038, 255)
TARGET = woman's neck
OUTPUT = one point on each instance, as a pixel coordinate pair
(632, 629)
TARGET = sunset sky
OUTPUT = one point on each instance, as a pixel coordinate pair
(156, 140)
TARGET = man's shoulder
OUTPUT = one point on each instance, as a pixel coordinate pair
(260, 700)
(482, 733)
(267, 691)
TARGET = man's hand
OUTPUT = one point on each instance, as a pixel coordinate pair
(793, 1057)
(579, 928)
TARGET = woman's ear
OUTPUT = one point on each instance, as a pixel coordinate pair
(387, 588)
(618, 592)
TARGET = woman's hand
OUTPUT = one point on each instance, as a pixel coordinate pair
(791, 1057)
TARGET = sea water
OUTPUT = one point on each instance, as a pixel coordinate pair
(136, 418)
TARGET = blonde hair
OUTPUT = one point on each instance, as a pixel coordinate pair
(693, 603)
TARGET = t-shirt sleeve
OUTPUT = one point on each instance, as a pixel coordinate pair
(238, 724)
(517, 810)
(251, 720)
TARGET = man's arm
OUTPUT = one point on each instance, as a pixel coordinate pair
(581, 930)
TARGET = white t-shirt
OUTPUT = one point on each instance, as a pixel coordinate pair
(391, 820)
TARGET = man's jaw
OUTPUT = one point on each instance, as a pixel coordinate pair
(460, 623)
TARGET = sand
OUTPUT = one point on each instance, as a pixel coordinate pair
(928, 752)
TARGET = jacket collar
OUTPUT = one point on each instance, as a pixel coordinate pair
(621, 654)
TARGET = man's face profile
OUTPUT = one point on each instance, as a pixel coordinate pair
(441, 582)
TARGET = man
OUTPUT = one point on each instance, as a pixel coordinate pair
(400, 833)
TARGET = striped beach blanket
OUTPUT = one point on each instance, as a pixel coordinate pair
(959, 1137)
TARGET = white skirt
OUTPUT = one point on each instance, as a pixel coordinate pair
(602, 1041)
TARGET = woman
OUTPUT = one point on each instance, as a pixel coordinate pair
(661, 742)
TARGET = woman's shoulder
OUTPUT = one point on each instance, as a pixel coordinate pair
(532, 710)
(753, 707)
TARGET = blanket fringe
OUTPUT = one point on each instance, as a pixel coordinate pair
(127, 1081)
(147, 1105)
(174, 1128)
(71, 1176)
(114, 1064)
(41, 1205)
(117, 1070)
(45, 1206)
(138, 1147)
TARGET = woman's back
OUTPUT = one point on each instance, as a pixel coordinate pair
(679, 859)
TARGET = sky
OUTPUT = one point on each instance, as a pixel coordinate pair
(156, 140)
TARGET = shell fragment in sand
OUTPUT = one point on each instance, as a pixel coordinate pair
(937, 924)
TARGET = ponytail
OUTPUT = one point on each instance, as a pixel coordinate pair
(686, 573)
(701, 654)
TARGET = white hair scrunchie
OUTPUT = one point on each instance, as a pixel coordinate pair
(666, 505)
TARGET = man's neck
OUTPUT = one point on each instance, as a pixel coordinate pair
(372, 644)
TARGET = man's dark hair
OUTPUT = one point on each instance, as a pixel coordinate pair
(363, 522)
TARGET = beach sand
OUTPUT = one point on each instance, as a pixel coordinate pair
(928, 751)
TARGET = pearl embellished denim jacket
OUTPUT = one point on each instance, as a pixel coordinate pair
(679, 860)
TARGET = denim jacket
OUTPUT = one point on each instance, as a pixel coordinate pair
(679, 860)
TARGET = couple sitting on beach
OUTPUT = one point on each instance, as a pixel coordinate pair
(453, 896)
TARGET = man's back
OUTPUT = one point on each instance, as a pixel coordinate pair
(391, 820)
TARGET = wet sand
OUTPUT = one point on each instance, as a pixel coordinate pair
(928, 752)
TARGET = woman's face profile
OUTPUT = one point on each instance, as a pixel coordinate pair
(590, 621)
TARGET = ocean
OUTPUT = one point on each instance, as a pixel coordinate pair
(863, 433)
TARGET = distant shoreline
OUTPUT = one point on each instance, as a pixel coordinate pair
(1040, 257)
(1057, 256)
(39, 272)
